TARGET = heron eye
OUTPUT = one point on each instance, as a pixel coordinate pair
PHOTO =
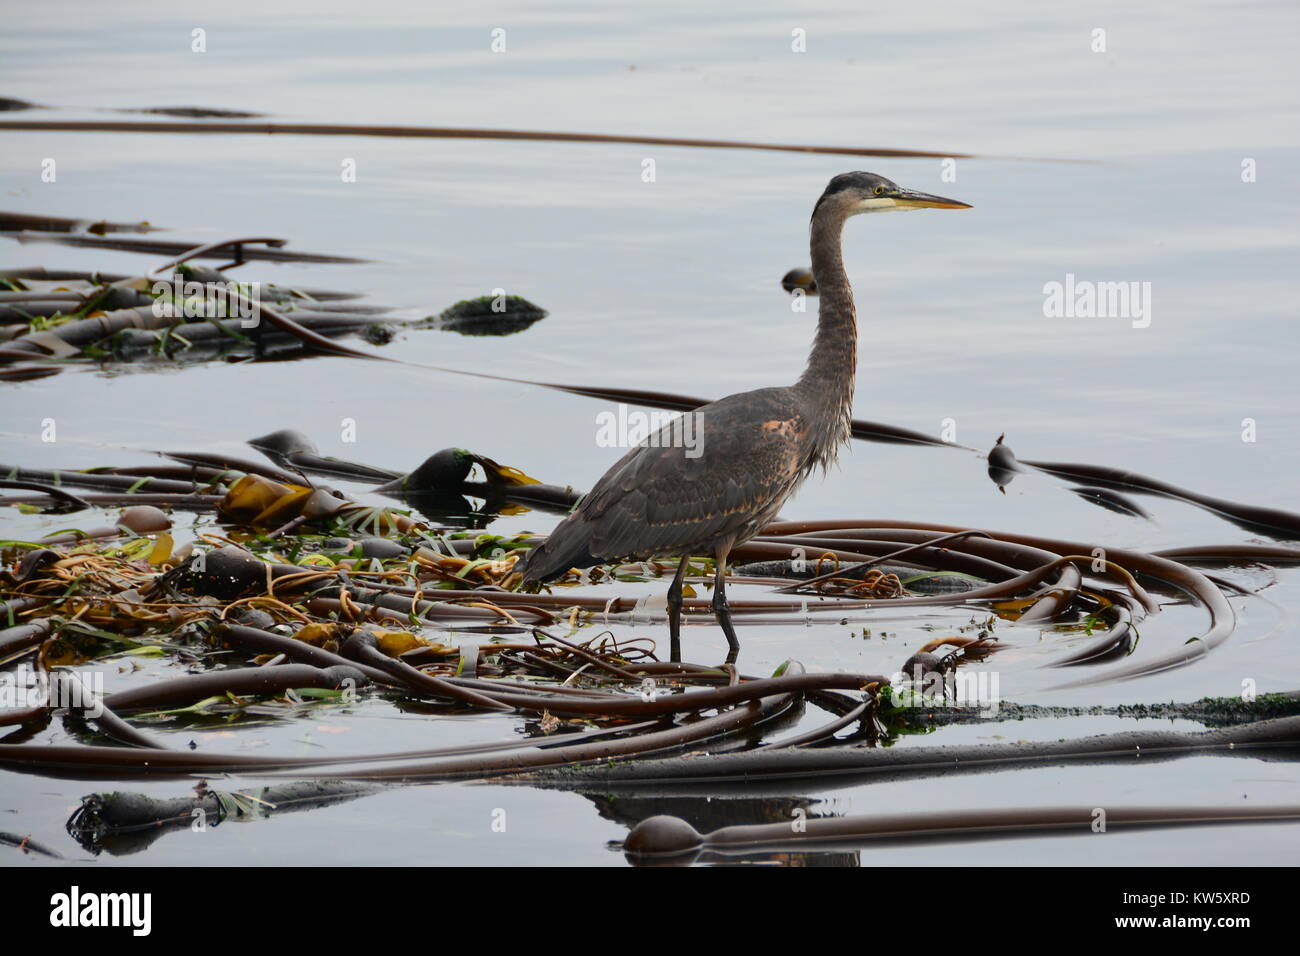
(879, 190)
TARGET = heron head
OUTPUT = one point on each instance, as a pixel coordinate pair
(856, 193)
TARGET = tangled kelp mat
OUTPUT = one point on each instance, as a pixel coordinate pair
(302, 600)
(183, 312)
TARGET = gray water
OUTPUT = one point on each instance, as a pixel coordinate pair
(674, 285)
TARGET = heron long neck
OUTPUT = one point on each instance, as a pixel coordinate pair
(827, 383)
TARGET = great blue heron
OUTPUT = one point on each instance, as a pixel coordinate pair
(750, 451)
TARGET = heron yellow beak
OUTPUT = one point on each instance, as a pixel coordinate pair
(910, 199)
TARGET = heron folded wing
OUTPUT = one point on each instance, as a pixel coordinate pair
(664, 499)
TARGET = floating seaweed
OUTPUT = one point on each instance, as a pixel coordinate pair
(663, 838)
(21, 221)
(488, 315)
(1104, 483)
(445, 132)
(195, 313)
(302, 600)
(298, 598)
(8, 104)
(855, 565)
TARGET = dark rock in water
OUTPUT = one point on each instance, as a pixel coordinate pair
(489, 315)
(8, 104)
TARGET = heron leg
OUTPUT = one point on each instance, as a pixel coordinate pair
(721, 609)
(675, 610)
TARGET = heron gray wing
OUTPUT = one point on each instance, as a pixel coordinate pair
(660, 499)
